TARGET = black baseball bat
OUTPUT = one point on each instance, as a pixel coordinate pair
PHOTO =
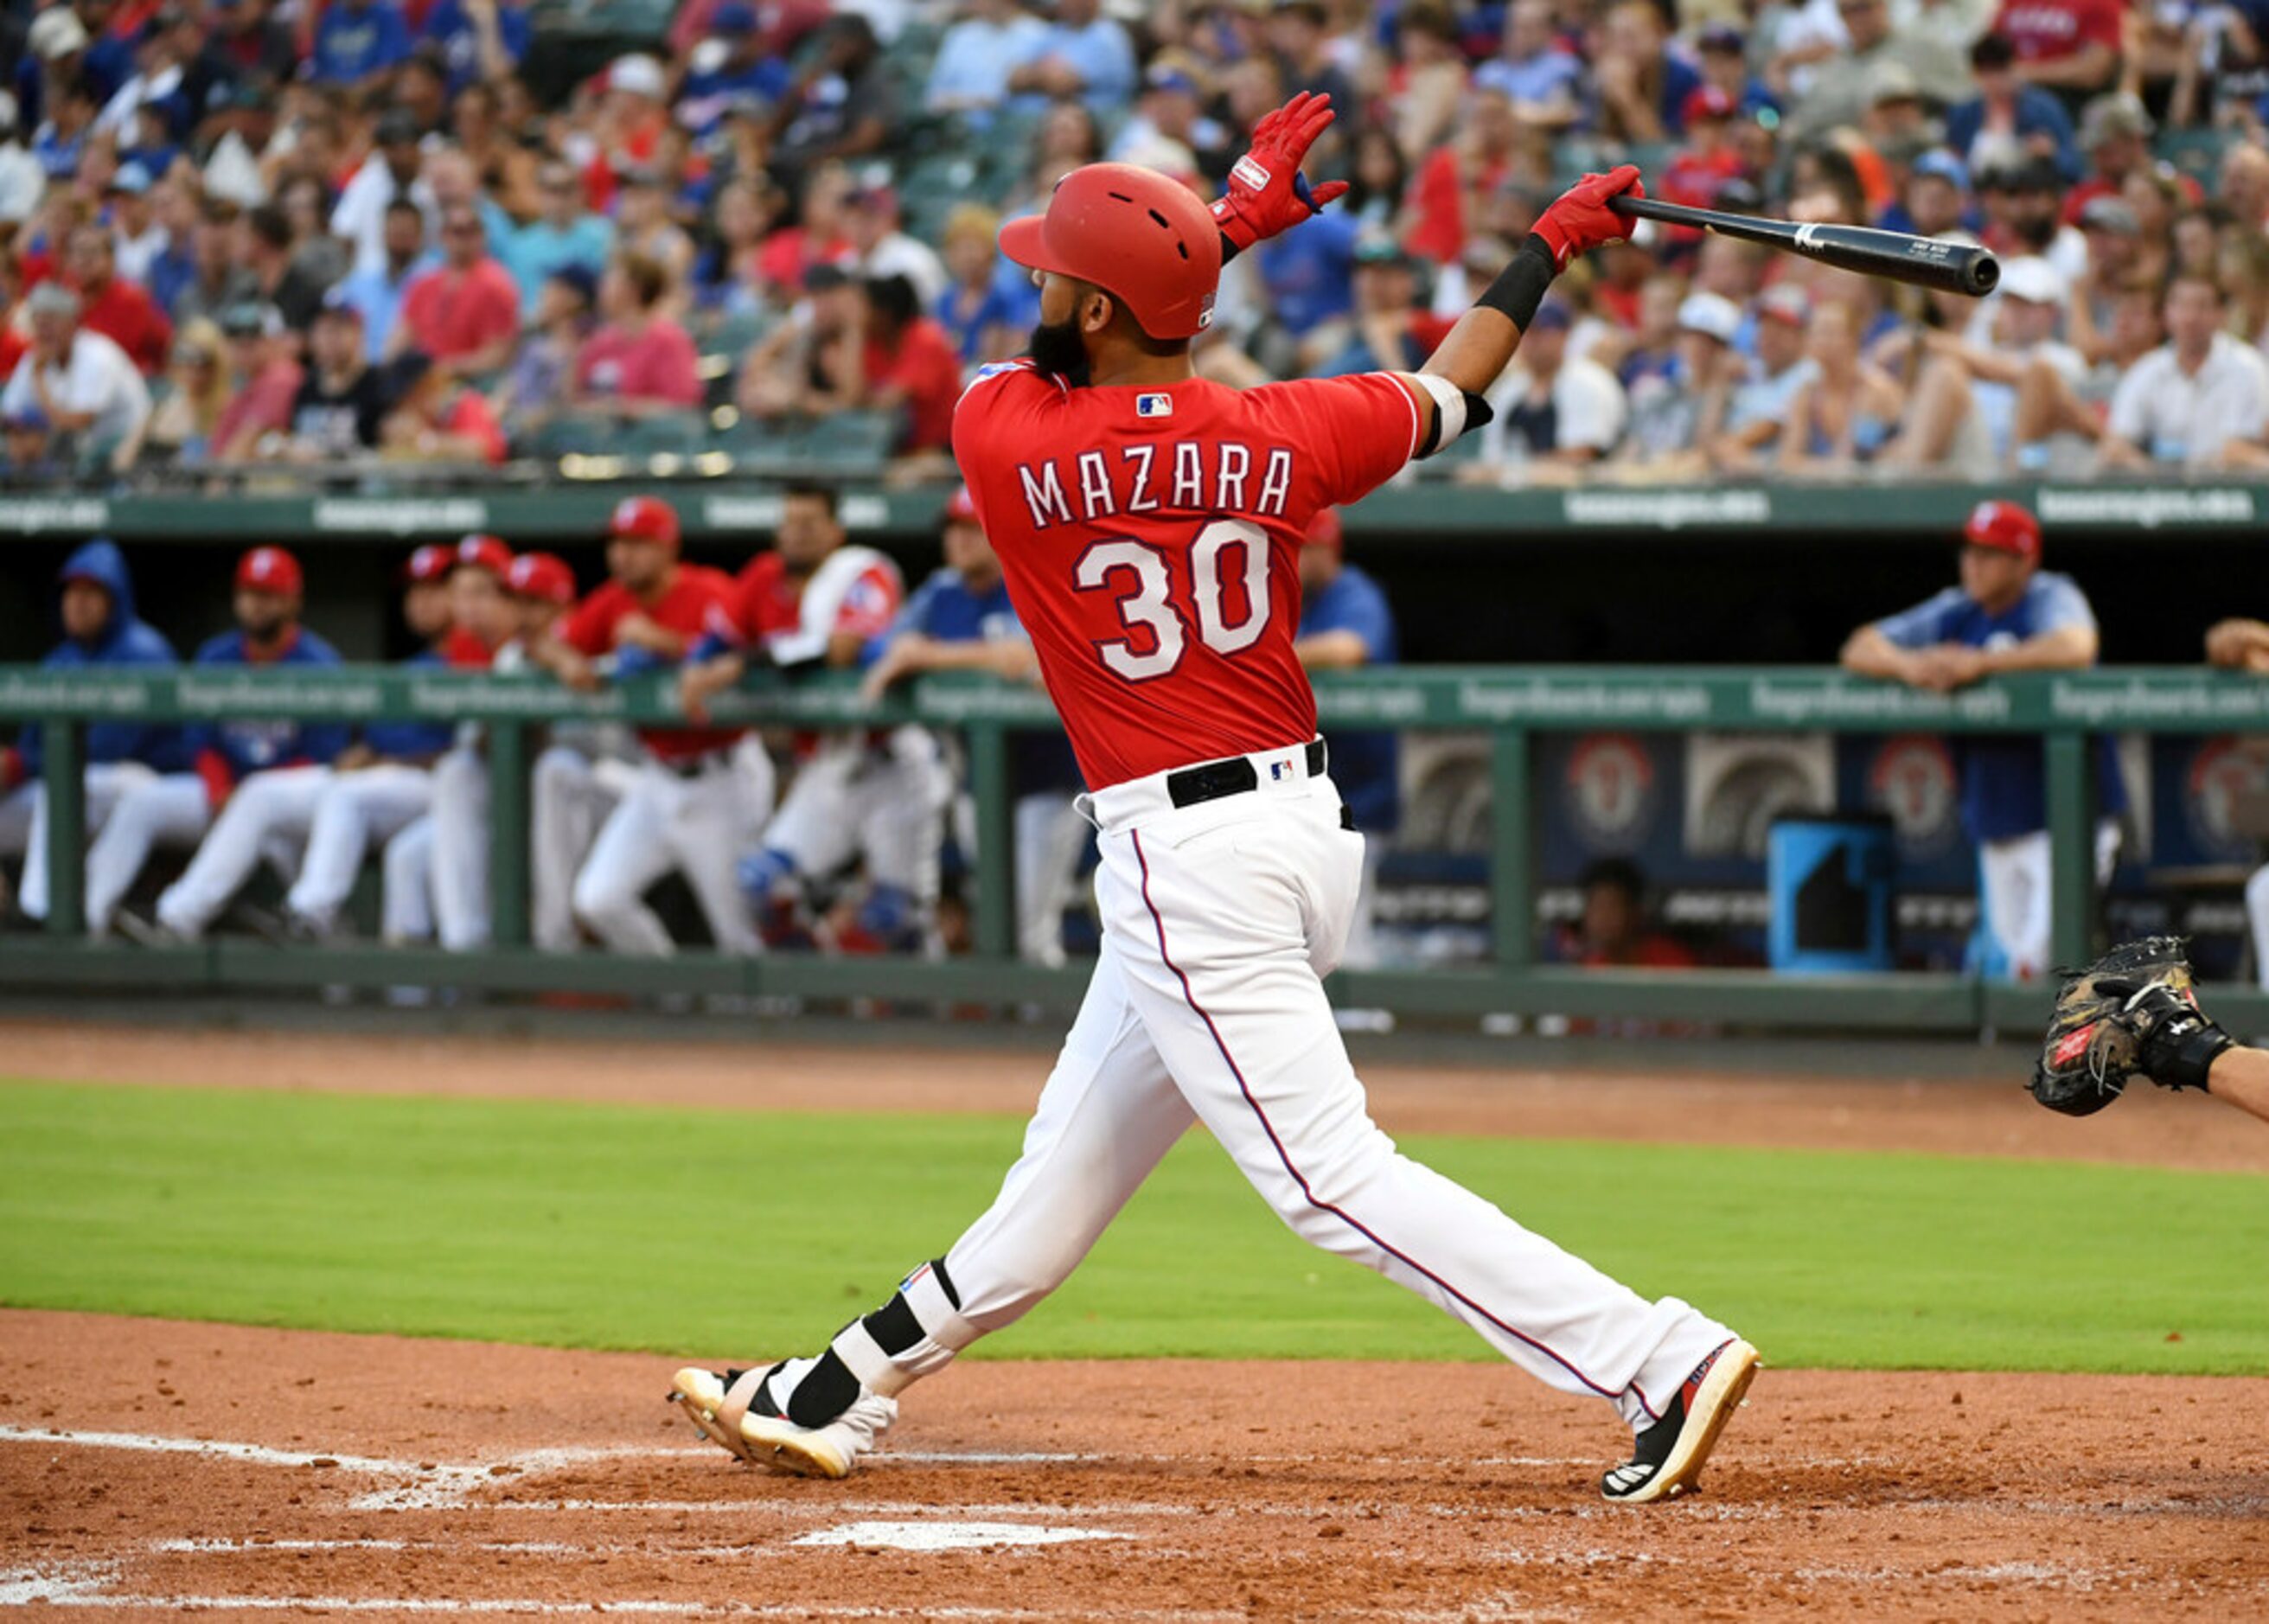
(1951, 266)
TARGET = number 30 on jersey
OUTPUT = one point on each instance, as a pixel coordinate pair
(1228, 553)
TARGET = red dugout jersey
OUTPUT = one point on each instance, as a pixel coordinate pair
(589, 629)
(767, 603)
(1150, 537)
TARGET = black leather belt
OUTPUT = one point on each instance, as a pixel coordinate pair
(1233, 777)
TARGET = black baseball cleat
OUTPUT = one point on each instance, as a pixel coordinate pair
(1669, 1455)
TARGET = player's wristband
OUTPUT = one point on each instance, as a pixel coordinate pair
(1519, 287)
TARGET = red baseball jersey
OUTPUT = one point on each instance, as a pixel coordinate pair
(1150, 538)
(767, 603)
(684, 608)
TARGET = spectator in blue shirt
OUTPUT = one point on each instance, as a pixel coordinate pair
(1539, 75)
(377, 291)
(479, 40)
(2008, 615)
(101, 628)
(564, 233)
(1345, 625)
(1310, 275)
(986, 315)
(1722, 53)
(358, 42)
(970, 75)
(2007, 112)
(1083, 54)
(746, 76)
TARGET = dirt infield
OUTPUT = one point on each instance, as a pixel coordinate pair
(148, 1466)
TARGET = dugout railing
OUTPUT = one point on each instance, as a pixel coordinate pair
(1511, 704)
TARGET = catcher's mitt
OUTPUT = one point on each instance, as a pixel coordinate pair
(2130, 1013)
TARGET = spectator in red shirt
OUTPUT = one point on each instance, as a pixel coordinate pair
(785, 262)
(910, 364)
(116, 308)
(436, 418)
(2071, 46)
(263, 383)
(641, 362)
(464, 313)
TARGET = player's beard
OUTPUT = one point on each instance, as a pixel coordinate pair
(1055, 348)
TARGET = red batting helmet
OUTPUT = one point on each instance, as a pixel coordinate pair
(2006, 528)
(1144, 238)
(269, 569)
(643, 518)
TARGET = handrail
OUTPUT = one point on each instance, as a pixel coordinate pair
(1510, 703)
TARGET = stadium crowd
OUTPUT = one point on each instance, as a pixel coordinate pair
(311, 233)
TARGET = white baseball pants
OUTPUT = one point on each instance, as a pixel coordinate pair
(105, 783)
(356, 811)
(268, 816)
(1220, 920)
(699, 825)
(886, 803)
(570, 795)
(1050, 836)
(16, 809)
(406, 895)
(2014, 883)
(171, 809)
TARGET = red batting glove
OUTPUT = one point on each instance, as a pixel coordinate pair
(1268, 194)
(1580, 220)
(213, 768)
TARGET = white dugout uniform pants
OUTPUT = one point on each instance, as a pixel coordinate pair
(884, 802)
(24, 824)
(266, 818)
(1220, 920)
(437, 876)
(356, 811)
(2013, 881)
(697, 823)
(170, 809)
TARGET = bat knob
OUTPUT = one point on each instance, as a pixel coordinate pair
(1983, 276)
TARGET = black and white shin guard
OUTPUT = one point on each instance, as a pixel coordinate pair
(916, 1333)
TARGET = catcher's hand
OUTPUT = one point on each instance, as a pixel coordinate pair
(1268, 194)
(2130, 1013)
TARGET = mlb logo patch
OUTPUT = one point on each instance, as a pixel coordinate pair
(1278, 771)
(1154, 405)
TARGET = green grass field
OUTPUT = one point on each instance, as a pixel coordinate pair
(683, 1231)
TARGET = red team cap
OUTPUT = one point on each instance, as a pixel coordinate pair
(269, 569)
(1324, 529)
(961, 507)
(1708, 101)
(2006, 528)
(431, 562)
(542, 576)
(483, 552)
(643, 518)
(1144, 238)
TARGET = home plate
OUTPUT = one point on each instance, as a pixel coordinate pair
(949, 1536)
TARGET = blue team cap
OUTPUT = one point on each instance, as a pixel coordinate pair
(1552, 316)
(1945, 166)
(732, 19)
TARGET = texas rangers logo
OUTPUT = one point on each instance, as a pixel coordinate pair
(2224, 797)
(1610, 788)
(1912, 777)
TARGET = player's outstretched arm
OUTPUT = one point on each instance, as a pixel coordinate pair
(2241, 1076)
(1449, 388)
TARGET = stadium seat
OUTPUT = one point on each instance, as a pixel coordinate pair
(678, 433)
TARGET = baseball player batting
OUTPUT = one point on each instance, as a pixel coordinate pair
(1147, 522)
